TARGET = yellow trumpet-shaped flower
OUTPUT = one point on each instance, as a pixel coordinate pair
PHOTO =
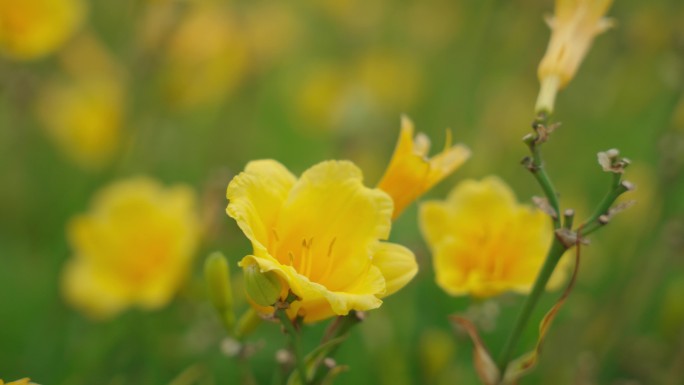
(483, 242)
(133, 247)
(411, 173)
(573, 28)
(321, 234)
(30, 29)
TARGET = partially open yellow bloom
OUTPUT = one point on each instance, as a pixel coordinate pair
(321, 234)
(411, 173)
(30, 29)
(573, 28)
(133, 248)
(483, 242)
(23, 381)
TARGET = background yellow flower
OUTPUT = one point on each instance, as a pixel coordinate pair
(133, 248)
(206, 57)
(321, 234)
(482, 241)
(30, 29)
(83, 112)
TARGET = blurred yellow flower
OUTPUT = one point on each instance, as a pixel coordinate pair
(272, 30)
(134, 247)
(573, 28)
(321, 234)
(206, 57)
(30, 29)
(483, 242)
(23, 381)
(83, 117)
(83, 112)
(411, 173)
(334, 96)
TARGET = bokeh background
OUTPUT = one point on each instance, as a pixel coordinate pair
(189, 91)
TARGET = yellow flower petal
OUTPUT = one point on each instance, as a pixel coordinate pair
(483, 242)
(411, 173)
(80, 281)
(397, 264)
(316, 300)
(338, 218)
(256, 196)
(23, 381)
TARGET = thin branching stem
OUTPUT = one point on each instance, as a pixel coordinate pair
(295, 343)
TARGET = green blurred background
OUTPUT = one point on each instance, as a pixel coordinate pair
(309, 80)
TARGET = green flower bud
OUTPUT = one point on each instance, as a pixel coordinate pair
(263, 288)
(217, 274)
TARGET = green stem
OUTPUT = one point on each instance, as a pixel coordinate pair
(341, 327)
(555, 252)
(603, 207)
(536, 166)
(550, 192)
(295, 342)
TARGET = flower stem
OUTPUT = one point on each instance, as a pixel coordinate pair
(555, 252)
(535, 164)
(603, 207)
(294, 342)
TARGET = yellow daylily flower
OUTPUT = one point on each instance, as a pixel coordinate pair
(573, 28)
(411, 173)
(321, 234)
(133, 248)
(31, 29)
(483, 242)
(23, 381)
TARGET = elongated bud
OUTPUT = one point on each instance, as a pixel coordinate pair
(262, 288)
(217, 274)
(247, 323)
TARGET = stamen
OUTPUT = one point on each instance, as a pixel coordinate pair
(307, 261)
(330, 247)
(329, 262)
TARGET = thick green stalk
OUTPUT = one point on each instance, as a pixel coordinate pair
(555, 253)
(295, 342)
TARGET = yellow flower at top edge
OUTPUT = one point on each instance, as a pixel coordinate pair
(133, 248)
(322, 234)
(411, 173)
(483, 241)
(23, 381)
(573, 28)
(30, 29)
